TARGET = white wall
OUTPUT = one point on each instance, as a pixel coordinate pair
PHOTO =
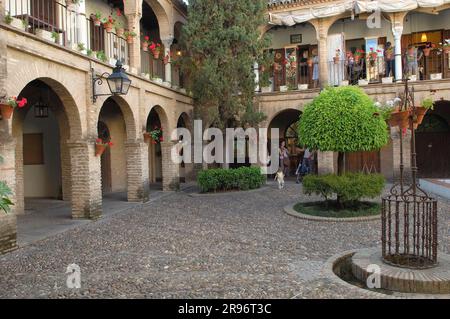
(281, 37)
(416, 22)
(44, 180)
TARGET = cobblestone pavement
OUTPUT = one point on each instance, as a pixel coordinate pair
(236, 245)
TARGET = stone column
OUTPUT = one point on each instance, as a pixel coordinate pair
(8, 222)
(325, 162)
(86, 180)
(137, 171)
(170, 169)
(397, 31)
(135, 48)
(167, 42)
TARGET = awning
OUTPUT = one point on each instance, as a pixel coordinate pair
(359, 6)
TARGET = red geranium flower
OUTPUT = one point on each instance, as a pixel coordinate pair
(146, 38)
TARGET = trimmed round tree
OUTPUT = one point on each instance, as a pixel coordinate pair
(342, 119)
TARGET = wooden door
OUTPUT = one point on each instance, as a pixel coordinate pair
(446, 57)
(43, 11)
(97, 34)
(105, 160)
(279, 69)
(367, 162)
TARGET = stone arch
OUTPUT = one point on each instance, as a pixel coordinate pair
(70, 111)
(162, 117)
(186, 119)
(162, 15)
(57, 161)
(63, 86)
(128, 116)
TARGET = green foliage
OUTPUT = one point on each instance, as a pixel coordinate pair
(428, 103)
(243, 178)
(8, 18)
(348, 188)
(342, 120)
(102, 56)
(328, 209)
(223, 41)
(5, 202)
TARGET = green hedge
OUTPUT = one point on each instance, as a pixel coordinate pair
(220, 179)
(348, 188)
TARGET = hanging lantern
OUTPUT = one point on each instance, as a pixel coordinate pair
(40, 109)
(424, 38)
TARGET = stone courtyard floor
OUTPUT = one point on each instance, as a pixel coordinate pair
(235, 245)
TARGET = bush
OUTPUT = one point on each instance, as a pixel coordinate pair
(5, 202)
(349, 188)
(220, 179)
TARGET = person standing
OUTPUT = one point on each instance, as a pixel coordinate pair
(389, 59)
(284, 158)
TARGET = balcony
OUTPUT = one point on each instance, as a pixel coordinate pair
(68, 26)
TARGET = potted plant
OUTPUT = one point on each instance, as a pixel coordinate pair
(358, 54)
(156, 49)
(55, 36)
(108, 23)
(21, 24)
(89, 52)
(446, 46)
(373, 56)
(97, 19)
(337, 56)
(157, 79)
(129, 35)
(8, 105)
(101, 56)
(146, 43)
(421, 111)
(398, 116)
(427, 49)
(81, 47)
(119, 29)
(101, 146)
(156, 135)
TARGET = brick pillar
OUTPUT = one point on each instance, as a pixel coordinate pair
(137, 171)
(86, 181)
(325, 162)
(8, 222)
(168, 67)
(135, 48)
(395, 134)
(170, 169)
(65, 166)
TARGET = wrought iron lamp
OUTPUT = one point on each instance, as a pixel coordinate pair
(118, 82)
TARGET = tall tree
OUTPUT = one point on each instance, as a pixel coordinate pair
(223, 40)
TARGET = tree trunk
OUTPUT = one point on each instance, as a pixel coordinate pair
(341, 163)
(341, 169)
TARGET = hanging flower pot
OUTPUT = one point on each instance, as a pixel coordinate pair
(108, 27)
(400, 119)
(145, 43)
(419, 116)
(156, 55)
(101, 146)
(99, 149)
(130, 35)
(147, 137)
(6, 111)
(119, 32)
(7, 106)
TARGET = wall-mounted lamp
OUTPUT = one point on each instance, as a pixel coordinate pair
(424, 38)
(118, 82)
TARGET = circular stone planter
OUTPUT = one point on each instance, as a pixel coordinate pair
(425, 281)
(289, 209)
